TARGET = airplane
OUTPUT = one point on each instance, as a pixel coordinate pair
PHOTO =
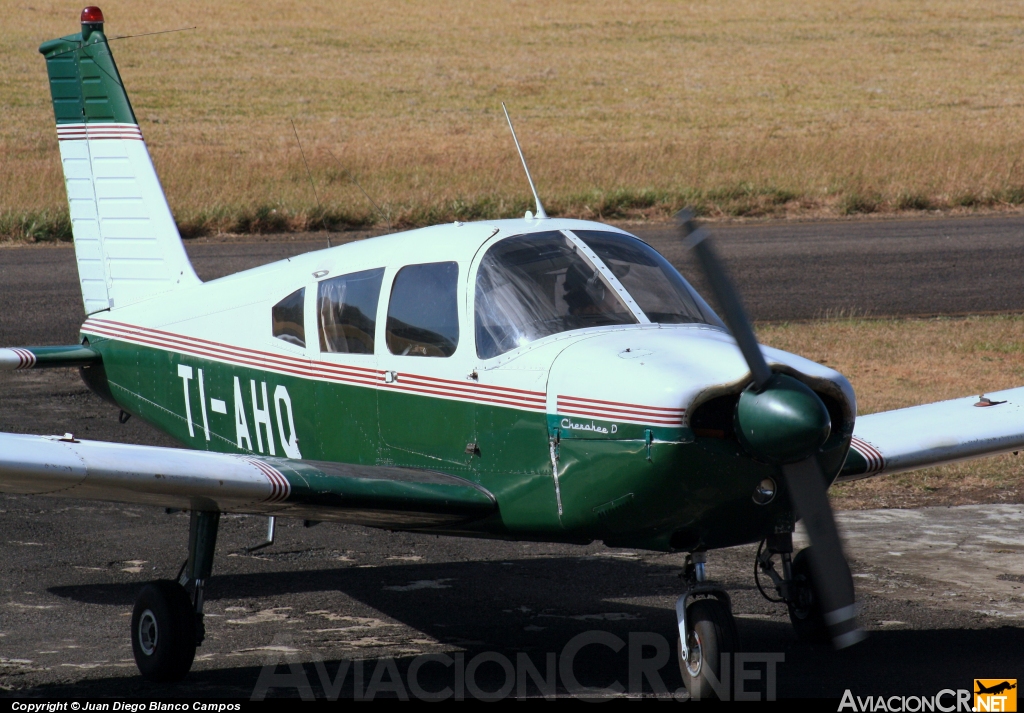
(535, 379)
(997, 688)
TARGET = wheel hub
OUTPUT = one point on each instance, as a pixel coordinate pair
(695, 658)
(802, 598)
(147, 632)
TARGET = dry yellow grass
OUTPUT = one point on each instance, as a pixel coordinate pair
(624, 108)
(898, 363)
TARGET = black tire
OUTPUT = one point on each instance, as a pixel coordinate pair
(712, 633)
(805, 606)
(163, 631)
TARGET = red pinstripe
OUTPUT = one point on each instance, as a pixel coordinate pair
(280, 488)
(874, 457)
(618, 411)
(622, 419)
(362, 376)
(81, 132)
(26, 359)
(580, 401)
(365, 376)
(623, 412)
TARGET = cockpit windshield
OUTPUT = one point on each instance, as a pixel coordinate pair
(531, 286)
(659, 289)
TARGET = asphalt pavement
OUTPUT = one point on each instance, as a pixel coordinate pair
(787, 270)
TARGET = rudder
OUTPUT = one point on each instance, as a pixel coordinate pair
(126, 243)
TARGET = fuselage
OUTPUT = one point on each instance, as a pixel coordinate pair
(619, 432)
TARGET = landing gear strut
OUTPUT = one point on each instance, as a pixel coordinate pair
(794, 586)
(167, 621)
(707, 630)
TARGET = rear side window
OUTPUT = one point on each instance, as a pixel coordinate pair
(423, 315)
(287, 315)
(346, 309)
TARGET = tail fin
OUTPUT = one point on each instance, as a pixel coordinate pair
(126, 243)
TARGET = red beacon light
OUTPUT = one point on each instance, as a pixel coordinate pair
(92, 15)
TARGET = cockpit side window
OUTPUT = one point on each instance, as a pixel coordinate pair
(288, 318)
(651, 280)
(346, 309)
(423, 314)
(530, 286)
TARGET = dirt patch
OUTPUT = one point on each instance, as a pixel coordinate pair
(929, 488)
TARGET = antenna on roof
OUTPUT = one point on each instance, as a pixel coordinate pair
(541, 215)
(302, 153)
(352, 178)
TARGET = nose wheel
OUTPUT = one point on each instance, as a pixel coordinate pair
(707, 632)
(711, 635)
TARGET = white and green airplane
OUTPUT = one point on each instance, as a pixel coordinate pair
(532, 379)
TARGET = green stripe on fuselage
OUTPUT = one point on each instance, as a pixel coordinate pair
(591, 429)
(632, 492)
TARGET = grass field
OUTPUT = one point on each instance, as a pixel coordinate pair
(905, 362)
(625, 109)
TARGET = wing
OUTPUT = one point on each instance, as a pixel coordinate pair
(934, 434)
(47, 357)
(197, 480)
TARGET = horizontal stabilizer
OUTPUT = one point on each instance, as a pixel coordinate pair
(198, 480)
(935, 434)
(73, 355)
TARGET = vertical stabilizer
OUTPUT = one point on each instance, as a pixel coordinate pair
(126, 243)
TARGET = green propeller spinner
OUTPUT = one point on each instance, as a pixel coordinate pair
(783, 422)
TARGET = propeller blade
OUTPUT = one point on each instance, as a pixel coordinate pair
(698, 239)
(804, 478)
(834, 583)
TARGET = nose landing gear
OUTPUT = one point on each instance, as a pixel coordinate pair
(167, 620)
(707, 631)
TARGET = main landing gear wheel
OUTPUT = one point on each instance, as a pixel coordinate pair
(164, 631)
(805, 604)
(712, 633)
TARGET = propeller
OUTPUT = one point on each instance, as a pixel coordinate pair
(782, 421)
